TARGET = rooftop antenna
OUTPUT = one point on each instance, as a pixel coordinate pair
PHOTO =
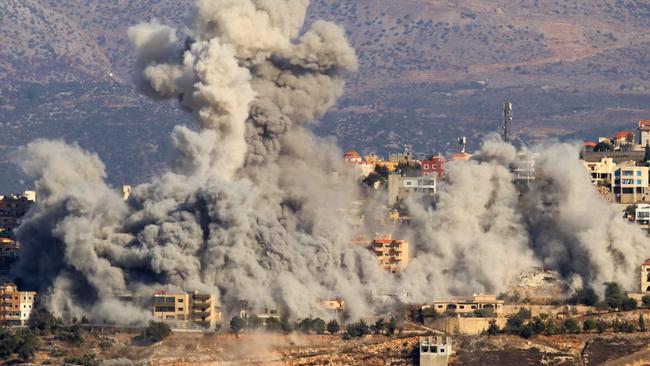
(462, 141)
(507, 120)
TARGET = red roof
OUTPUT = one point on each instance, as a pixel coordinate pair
(623, 134)
(644, 123)
(351, 154)
(590, 144)
(647, 262)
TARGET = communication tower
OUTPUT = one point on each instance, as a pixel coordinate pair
(507, 120)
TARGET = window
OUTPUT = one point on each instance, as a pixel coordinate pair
(627, 172)
(638, 173)
(179, 309)
(426, 166)
(180, 300)
(638, 181)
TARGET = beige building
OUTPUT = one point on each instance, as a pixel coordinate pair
(601, 171)
(393, 255)
(645, 277)
(468, 306)
(185, 309)
(15, 306)
(400, 187)
(630, 183)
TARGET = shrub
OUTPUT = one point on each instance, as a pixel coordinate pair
(391, 327)
(628, 304)
(237, 324)
(585, 296)
(571, 326)
(641, 323)
(601, 325)
(26, 344)
(156, 331)
(358, 329)
(333, 327)
(85, 360)
(646, 301)
(42, 322)
(493, 328)
(255, 322)
(614, 295)
(273, 324)
(71, 334)
(589, 325)
(318, 325)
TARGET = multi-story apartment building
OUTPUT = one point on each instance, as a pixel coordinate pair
(644, 132)
(601, 171)
(13, 208)
(435, 166)
(630, 183)
(186, 309)
(15, 306)
(8, 247)
(400, 187)
(393, 255)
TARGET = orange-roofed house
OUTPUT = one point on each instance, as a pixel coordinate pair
(461, 156)
(623, 139)
(590, 145)
(353, 159)
(644, 131)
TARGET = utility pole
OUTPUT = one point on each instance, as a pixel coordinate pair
(507, 120)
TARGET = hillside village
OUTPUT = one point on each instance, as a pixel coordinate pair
(538, 305)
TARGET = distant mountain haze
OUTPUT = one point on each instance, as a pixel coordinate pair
(429, 71)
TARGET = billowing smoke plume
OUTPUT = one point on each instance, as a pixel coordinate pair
(255, 207)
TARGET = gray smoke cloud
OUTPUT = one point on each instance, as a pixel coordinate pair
(254, 206)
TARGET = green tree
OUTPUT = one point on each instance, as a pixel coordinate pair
(585, 296)
(318, 325)
(26, 344)
(333, 327)
(391, 327)
(85, 360)
(380, 326)
(255, 322)
(515, 323)
(589, 324)
(8, 343)
(641, 323)
(614, 295)
(358, 329)
(304, 325)
(157, 331)
(237, 324)
(571, 326)
(551, 327)
(71, 334)
(646, 301)
(42, 322)
(285, 325)
(628, 304)
(538, 325)
(273, 324)
(493, 328)
(601, 325)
